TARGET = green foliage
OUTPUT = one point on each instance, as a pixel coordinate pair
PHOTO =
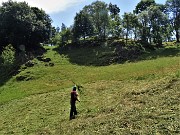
(56, 39)
(7, 62)
(149, 23)
(98, 13)
(97, 19)
(143, 28)
(115, 28)
(63, 37)
(66, 35)
(143, 5)
(32, 26)
(114, 10)
(21, 24)
(129, 22)
(159, 24)
(63, 27)
(82, 26)
(154, 26)
(8, 56)
(174, 13)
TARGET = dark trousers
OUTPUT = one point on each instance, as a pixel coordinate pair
(73, 111)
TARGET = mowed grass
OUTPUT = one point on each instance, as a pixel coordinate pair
(131, 98)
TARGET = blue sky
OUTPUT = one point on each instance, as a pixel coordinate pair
(64, 11)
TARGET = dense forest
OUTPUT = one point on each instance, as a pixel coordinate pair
(23, 28)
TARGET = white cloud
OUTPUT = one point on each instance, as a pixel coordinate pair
(50, 6)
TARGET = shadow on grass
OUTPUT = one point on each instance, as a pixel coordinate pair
(162, 52)
(88, 55)
(7, 73)
(104, 54)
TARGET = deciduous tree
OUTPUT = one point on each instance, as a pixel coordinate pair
(173, 8)
(22, 24)
(82, 25)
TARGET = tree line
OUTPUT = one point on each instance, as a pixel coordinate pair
(149, 23)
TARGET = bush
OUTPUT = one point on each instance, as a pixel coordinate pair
(8, 56)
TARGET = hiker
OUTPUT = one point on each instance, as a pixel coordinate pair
(74, 97)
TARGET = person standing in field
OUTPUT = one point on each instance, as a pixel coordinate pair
(74, 98)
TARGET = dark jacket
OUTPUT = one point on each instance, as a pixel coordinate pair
(74, 97)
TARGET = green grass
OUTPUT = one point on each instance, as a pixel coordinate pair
(131, 98)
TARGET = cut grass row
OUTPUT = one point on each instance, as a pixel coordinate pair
(106, 107)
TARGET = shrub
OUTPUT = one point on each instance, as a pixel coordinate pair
(8, 56)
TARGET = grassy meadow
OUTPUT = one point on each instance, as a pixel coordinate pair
(139, 98)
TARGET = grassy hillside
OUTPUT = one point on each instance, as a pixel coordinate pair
(141, 97)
